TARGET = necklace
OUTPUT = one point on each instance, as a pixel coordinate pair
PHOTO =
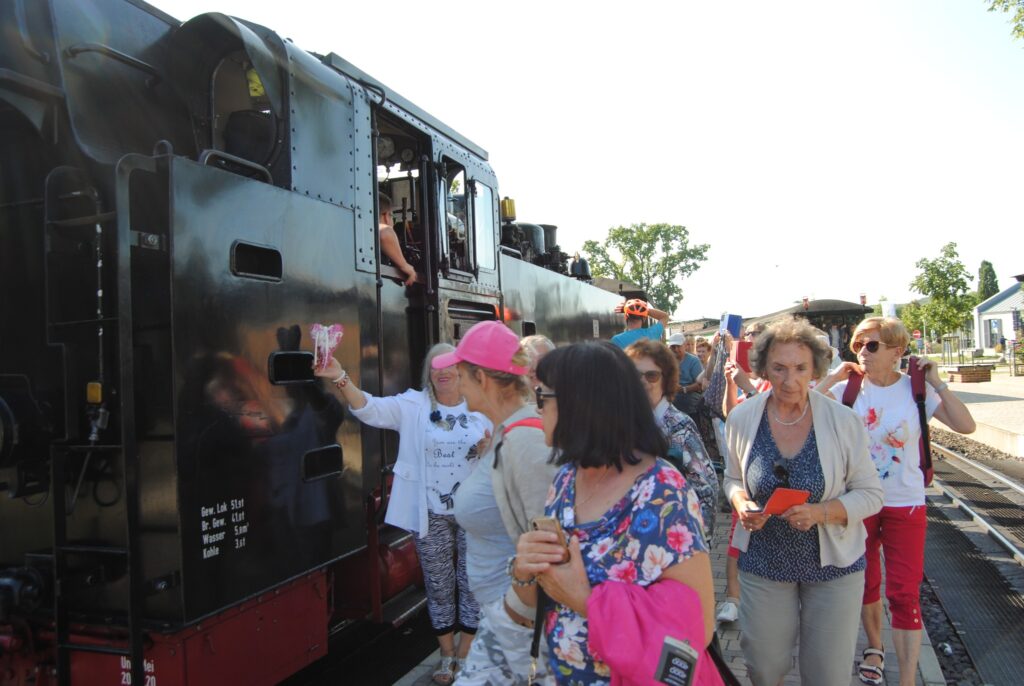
(590, 497)
(775, 416)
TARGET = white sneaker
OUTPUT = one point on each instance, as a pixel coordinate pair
(728, 612)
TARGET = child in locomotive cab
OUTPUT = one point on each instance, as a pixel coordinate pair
(440, 442)
(389, 244)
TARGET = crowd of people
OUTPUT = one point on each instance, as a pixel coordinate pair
(563, 500)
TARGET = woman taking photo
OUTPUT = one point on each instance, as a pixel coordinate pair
(659, 374)
(886, 406)
(802, 573)
(628, 514)
(436, 453)
(498, 500)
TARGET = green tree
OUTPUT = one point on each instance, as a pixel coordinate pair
(988, 285)
(945, 281)
(656, 257)
(1014, 6)
(912, 316)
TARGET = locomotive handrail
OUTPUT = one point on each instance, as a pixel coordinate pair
(209, 154)
(26, 36)
(154, 76)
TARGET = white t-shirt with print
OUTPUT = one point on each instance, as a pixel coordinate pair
(894, 429)
(450, 454)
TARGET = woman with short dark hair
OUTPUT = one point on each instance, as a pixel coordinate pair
(659, 374)
(629, 514)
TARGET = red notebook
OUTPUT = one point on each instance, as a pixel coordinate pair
(784, 498)
(741, 354)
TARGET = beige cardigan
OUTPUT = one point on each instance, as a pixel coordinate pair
(850, 475)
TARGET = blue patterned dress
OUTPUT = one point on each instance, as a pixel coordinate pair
(656, 525)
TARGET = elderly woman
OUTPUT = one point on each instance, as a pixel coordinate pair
(702, 349)
(802, 573)
(629, 515)
(886, 406)
(659, 374)
(535, 347)
(498, 500)
(436, 453)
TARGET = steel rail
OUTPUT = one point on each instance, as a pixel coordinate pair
(946, 452)
(994, 533)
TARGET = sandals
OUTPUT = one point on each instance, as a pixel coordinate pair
(444, 675)
(875, 676)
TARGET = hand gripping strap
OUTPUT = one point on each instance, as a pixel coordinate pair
(917, 387)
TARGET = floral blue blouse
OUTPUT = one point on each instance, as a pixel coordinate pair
(656, 525)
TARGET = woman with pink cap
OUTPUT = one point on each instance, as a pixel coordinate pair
(437, 452)
(499, 499)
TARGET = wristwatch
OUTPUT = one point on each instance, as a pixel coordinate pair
(751, 394)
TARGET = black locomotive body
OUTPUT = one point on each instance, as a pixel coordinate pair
(179, 203)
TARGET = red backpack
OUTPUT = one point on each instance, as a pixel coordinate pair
(917, 387)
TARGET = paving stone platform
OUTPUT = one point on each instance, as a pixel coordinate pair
(998, 408)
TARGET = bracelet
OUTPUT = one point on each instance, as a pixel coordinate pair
(824, 509)
(941, 387)
(510, 570)
(342, 380)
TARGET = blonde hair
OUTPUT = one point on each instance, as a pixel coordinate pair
(425, 383)
(790, 330)
(890, 330)
(504, 379)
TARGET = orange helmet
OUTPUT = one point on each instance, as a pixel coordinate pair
(635, 308)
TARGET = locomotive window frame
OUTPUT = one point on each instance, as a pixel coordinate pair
(483, 225)
(464, 263)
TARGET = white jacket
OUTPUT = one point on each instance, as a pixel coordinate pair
(407, 413)
(850, 475)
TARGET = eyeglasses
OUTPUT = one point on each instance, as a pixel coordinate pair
(781, 471)
(651, 376)
(751, 334)
(871, 346)
(541, 395)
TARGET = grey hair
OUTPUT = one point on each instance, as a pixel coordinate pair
(790, 330)
(435, 350)
(536, 346)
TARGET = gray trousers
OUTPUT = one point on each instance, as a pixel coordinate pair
(825, 616)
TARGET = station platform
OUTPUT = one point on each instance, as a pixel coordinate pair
(929, 673)
(998, 408)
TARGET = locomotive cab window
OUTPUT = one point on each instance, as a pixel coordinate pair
(458, 232)
(243, 121)
(483, 221)
(402, 154)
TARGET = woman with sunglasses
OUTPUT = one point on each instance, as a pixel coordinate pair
(801, 573)
(499, 499)
(886, 406)
(659, 373)
(629, 515)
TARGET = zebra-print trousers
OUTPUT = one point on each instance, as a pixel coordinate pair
(442, 555)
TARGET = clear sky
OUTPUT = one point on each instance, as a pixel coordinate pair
(819, 148)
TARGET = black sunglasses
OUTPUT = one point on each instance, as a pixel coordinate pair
(541, 395)
(781, 471)
(871, 346)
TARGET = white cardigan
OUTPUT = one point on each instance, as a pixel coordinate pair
(407, 413)
(850, 475)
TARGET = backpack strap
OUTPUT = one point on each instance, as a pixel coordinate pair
(852, 389)
(533, 422)
(918, 388)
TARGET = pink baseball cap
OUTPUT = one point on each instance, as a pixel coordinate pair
(489, 344)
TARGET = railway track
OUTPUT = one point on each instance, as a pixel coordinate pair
(974, 564)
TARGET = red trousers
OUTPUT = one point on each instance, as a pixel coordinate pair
(900, 531)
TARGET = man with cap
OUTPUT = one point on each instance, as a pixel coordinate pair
(637, 311)
(688, 396)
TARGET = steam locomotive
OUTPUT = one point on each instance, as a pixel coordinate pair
(179, 203)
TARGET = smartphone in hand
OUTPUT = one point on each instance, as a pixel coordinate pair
(545, 523)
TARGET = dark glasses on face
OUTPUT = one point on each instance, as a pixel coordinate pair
(651, 376)
(870, 346)
(781, 471)
(541, 395)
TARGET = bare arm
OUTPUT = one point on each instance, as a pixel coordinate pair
(695, 572)
(353, 396)
(390, 246)
(658, 315)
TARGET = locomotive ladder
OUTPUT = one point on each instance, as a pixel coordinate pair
(67, 187)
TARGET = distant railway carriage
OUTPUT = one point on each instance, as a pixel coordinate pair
(179, 203)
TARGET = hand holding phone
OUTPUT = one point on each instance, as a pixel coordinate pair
(545, 523)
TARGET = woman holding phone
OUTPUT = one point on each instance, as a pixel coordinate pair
(801, 573)
(628, 514)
